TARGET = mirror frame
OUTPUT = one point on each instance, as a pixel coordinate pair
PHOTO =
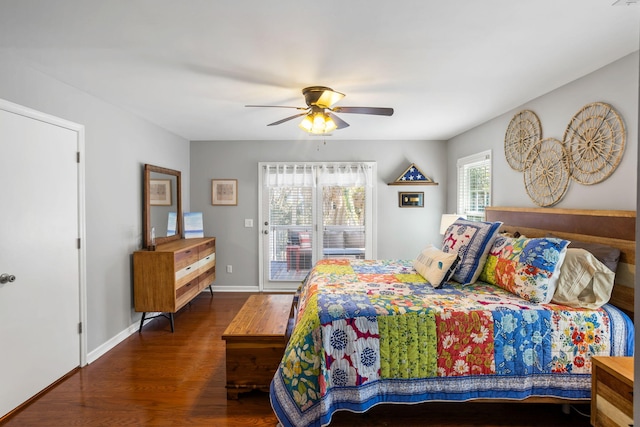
(146, 214)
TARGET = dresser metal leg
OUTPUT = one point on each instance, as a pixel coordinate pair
(142, 321)
(144, 317)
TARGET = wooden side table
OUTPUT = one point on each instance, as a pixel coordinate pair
(612, 391)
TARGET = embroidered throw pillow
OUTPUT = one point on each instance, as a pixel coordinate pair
(471, 240)
(435, 265)
(526, 267)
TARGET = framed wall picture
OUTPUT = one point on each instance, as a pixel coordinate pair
(224, 192)
(411, 199)
(160, 192)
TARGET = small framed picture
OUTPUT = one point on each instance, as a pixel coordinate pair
(160, 192)
(224, 192)
(411, 200)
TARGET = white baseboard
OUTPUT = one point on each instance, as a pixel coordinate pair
(252, 289)
(278, 290)
(104, 348)
(118, 338)
(234, 289)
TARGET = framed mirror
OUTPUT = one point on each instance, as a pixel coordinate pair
(162, 210)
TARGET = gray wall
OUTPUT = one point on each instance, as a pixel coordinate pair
(117, 144)
(615, 84)
(401, 232)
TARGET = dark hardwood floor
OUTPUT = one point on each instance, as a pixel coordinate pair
(159, 378)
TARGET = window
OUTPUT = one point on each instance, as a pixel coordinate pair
(474, 185)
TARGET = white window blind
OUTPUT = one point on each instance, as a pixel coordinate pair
(474, 185)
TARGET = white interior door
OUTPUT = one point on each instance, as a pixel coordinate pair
(39, 231)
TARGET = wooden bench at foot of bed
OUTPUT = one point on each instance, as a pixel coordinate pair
(255, 341)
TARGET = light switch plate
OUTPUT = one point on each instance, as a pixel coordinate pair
(248, 223)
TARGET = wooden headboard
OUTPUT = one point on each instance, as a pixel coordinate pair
(609, 227)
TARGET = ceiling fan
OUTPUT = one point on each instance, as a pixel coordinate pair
(319, 117)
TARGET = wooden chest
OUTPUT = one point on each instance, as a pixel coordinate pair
(255, 342)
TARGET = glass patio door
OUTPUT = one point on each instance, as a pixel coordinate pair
(312, 211)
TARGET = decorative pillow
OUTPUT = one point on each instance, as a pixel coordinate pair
(305, 240)
(607, 255)
(526, 267)
(435, 265)
(471, 240)
(584, 281)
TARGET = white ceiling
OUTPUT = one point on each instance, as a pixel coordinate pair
(190, 66)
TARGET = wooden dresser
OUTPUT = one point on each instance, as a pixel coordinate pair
(166, 279)
(612, 391)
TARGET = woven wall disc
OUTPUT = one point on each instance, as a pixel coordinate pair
(523, 131)
(594, 140)
(546, 172)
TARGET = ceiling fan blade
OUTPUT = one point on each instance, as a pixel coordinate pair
(341, 124)
(378, 111)
(287, 119)
(277, 106)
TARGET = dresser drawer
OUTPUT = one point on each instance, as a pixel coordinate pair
(186, 292)
(207, 262)
(207, 277)
(206, 248)
(187, 273)
(185, 258)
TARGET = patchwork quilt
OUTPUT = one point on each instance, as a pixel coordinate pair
(374, 331)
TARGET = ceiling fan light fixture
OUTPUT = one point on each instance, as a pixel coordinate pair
(318, 123)
(307, 123)
(329, 124)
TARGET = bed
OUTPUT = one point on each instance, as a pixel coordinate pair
(370, 332)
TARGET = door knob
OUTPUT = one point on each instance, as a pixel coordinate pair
(7, 278)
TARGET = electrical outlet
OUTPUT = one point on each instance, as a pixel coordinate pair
(229, 269)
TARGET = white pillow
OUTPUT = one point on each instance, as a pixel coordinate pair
(584, 281)
(435, 265)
